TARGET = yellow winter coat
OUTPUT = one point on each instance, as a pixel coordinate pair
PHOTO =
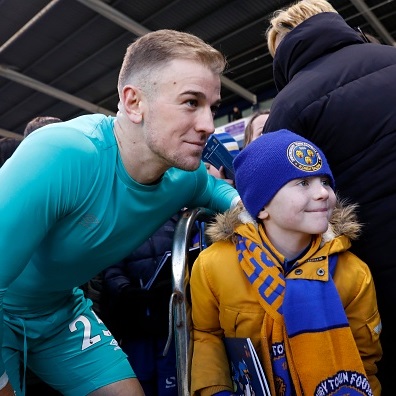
(225, 305)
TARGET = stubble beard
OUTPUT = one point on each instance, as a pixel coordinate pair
(174, 159)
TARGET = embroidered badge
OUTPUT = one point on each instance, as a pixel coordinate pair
(304, 156)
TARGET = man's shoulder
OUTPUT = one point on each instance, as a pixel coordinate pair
(97, 126)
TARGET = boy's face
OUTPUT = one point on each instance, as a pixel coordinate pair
(179, 118)
(302, 207)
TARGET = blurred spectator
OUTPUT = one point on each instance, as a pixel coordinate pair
(337, 90)
(38, 122)
(236, 114)
(254, 127)
(7, 147)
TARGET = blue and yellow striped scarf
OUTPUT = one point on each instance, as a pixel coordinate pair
(307, 331)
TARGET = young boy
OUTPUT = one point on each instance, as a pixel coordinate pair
(287, 281)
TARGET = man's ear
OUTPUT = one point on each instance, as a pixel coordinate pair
(263, 214)
(132, 101)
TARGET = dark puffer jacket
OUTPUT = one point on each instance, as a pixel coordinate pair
(126, 308)
(340, 93)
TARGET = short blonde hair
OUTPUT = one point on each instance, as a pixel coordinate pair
(145, 57)
(286, 19)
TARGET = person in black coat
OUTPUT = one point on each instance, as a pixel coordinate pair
(339, 92)
(139, 318)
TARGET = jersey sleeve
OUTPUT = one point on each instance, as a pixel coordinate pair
(214, 193)
(39, 184)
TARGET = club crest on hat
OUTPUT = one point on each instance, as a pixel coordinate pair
(265, 165)
(304, 156)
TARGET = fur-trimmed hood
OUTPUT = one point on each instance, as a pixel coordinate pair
(343, 222)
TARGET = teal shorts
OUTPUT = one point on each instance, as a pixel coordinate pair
(70, 349)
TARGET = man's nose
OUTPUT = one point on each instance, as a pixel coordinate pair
(205, 122)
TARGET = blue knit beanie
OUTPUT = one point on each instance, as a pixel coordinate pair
(264, 166)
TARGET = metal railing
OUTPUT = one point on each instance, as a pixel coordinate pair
(179, 305)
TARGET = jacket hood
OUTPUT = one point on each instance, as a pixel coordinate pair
(302, 46)
(343, 222)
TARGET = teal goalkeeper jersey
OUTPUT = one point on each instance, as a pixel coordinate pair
(68, 209)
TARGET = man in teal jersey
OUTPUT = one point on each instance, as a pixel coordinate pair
(74, 192)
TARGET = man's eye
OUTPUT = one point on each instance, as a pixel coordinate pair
(192, 102)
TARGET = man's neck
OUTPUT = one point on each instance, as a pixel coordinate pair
(136, 157)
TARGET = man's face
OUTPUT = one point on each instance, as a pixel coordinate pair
(178, 118)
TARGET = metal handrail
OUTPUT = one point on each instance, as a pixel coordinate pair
(179, 304)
